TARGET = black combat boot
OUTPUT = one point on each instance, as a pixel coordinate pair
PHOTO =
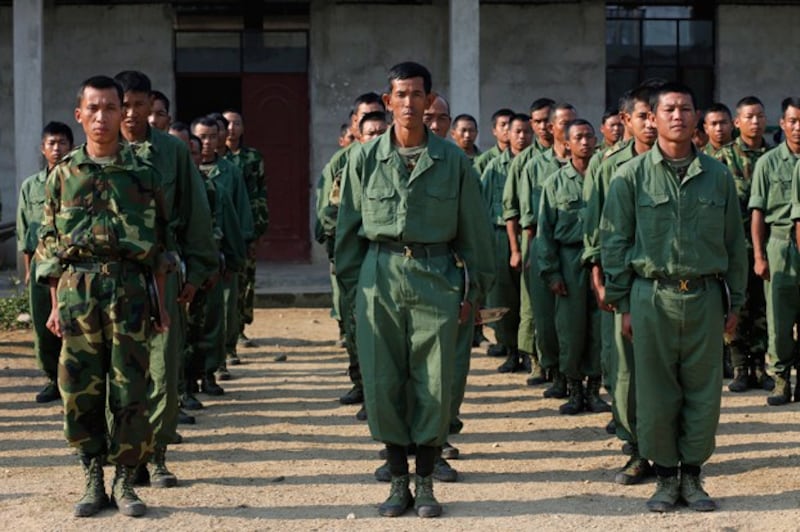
(558, 390)
(122, 494)
(512, 363)
(740, 381)
(574, 404)
(161, 477)
(594, 403)
(94, 498)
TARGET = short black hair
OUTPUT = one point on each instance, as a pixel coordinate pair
(669, 87)
(58, 128)
(179, 126)
(409, 70)
(541, 103)
(504, 112)
(791, 101)
(195, 138)
(101, 83)
(465, 116)
(718, 107)
(372, 115)
(608, 114)
(578, 122)
(643, 94)
(207, 121)
(518, 117)
(625, 102)
(749, 100)
(562, 106)
(160, 96)
(344, 129)
(368, 98)
(134, 81)
(218, 117)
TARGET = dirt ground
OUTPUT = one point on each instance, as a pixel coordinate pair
(278, 451)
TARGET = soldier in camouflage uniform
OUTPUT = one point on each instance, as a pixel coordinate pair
(101, 241)
(56, 142)
(748, 346)
(251, 164)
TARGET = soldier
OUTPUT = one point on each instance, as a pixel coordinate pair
(159, 111)
(506, 289)
(189, 236)
(718, 125)
(372, 126)
(346, 136)
(672, 247)
(612, 129)
(464, 133)
(437, 116)
(327, 207)
(519, 241)
(500, 120)
(617, 353)
(251, 164)
(532, 177)
(749, 346)
(101, 242)
(775, 257)
(56, 142)
(409, 217)
(699, 137)
(181, 131)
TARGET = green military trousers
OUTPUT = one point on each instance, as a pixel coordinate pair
(608, 357)
(526, 341)
(783, 300)
(544, 310)
(506, 292)
(46, 345)
(230, 288)
(204, 333)
(348, 317)
(247, 294)
(576, 319)
(677, 341)
(166, 364)
(623, 369)
(407, 312)
(461, 370)
(105, 325)
(336, 313)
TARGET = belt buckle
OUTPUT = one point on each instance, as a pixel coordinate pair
(683, 285)
(104, 268)
(408, 252)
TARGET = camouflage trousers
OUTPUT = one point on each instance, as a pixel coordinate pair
(750, 342)
(105, 360)
(247, 290)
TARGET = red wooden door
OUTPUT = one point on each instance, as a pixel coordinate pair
(276, 114)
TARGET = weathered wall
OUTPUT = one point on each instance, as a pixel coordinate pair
(755, 46)
(7, 181)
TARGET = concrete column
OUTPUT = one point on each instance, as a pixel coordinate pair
(28, 53)
(465, 57)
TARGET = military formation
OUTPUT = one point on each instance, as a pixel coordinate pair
(653, 261)
(139, 248)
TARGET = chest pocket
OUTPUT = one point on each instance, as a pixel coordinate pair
(654, 214)
(710, 214)
(442, 188)
(780, 191)
(380, 199)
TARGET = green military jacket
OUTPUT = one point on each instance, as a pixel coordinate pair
(595, 188)
(560, 221)
(328, 192)
(438, 202)
(92, 212)
(533, 176)
(30, 211)
(511, 193)
(480, 162)
(741, 161)
(493, 181)
(656, 227)
(231, 240)
(229, 177)
(772, 187)
(251, 165)
(188, 212)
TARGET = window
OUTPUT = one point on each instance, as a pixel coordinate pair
(671, 42)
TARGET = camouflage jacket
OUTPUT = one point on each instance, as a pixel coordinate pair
(251, 164)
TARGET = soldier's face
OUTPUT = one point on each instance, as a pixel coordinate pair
(361, 110)
(751, 121)
(641, 124)
(197, 156)
(235, 126)
(520, 135)
(372, 129)
(54, 147)
(100, 115)
(407, 102)
(135, 111)
(183, 135)
(500, 129)
(790, 124)
(561, 118)
(540, 126)
(346, 139)
(437, 117)
(675, 117)
(222, 133)
(464, 133)
(209, 139)
(581, 141)
(612, 129)
(159, 117)
(719, 128)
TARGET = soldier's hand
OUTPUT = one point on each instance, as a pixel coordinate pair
(54, 322)
(559, 288)
(627, 328)
(516, 260)
(27, 278)
(731, 323)
(211, 281)
(187, 294)
(761, 268)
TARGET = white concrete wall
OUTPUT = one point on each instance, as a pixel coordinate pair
(755, 55)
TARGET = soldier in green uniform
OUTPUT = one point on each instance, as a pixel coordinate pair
(188, 236)
(56, 142)
(718, 125)
(411, 225)
(101, 243)
(251, 164)
(775, 256)
(346, 136)
(327, 210)
(437, 116)
(464, 133)
(749, 346)
(612, 128)
(672, 249)
(506, 289)
(500, 120)
(700, 137)
(617, 350)
(532, 177)
(559, 239)
(519, 243)
(159, 117)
